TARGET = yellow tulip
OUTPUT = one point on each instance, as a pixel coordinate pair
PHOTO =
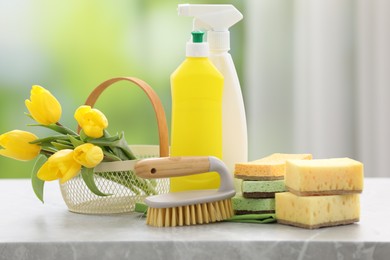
(60, 165)
(17, 145)
(88, 155)
(91, 120)
(43, 106)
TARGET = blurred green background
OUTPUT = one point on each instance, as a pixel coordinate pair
(69, 47)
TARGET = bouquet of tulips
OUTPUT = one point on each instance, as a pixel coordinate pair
(67, 153)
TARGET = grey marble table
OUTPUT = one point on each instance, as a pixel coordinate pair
(32, 230)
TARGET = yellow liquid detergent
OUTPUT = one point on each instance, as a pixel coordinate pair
(197, 88)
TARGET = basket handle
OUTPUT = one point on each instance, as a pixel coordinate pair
(154, 99)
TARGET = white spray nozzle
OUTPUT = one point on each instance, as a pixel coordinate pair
(216, 19)
(213, 17)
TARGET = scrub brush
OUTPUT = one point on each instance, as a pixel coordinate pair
(187, 207)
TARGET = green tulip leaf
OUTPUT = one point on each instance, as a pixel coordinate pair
(106, 141)
(61, 146)
(83, 136)
(88, 177)
(48, 140)
(117, 144)
(125, 149)
(57, 128)
(110, 156)
(48, 149)
(76, 142)
(118, 152)
(37, 183)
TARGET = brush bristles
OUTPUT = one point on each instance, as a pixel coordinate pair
(190, 214)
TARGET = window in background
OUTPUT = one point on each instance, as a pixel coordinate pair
(317, 79)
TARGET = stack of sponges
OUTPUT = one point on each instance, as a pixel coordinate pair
(261, 180)
(321, 193)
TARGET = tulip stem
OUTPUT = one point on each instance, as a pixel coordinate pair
(57, 128)
(46, 153)
(68, 130)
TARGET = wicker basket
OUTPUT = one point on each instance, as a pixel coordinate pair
(118, 178)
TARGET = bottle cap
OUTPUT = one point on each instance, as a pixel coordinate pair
(197, 36)
(218, 41)
(197, 47)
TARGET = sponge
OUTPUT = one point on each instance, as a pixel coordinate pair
(272, 167)
(262, 189)
(243, 205)
(324, 176)
(317, 211)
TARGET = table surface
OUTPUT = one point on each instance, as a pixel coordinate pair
(32, 230)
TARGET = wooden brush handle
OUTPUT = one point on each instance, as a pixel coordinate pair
(181, 166)
(171, 167)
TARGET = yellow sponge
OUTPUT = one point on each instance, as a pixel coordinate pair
(272, 167)
(324, 176)
(317, 211)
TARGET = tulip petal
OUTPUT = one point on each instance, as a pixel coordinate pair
(17, 145)
(47, 172)
(71, 172)
(92, 121)
(80, 114)
(60, 165)
(88, 155)
(43, 106)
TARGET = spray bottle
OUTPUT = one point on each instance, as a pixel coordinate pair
(196, 89)
(217, 19)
